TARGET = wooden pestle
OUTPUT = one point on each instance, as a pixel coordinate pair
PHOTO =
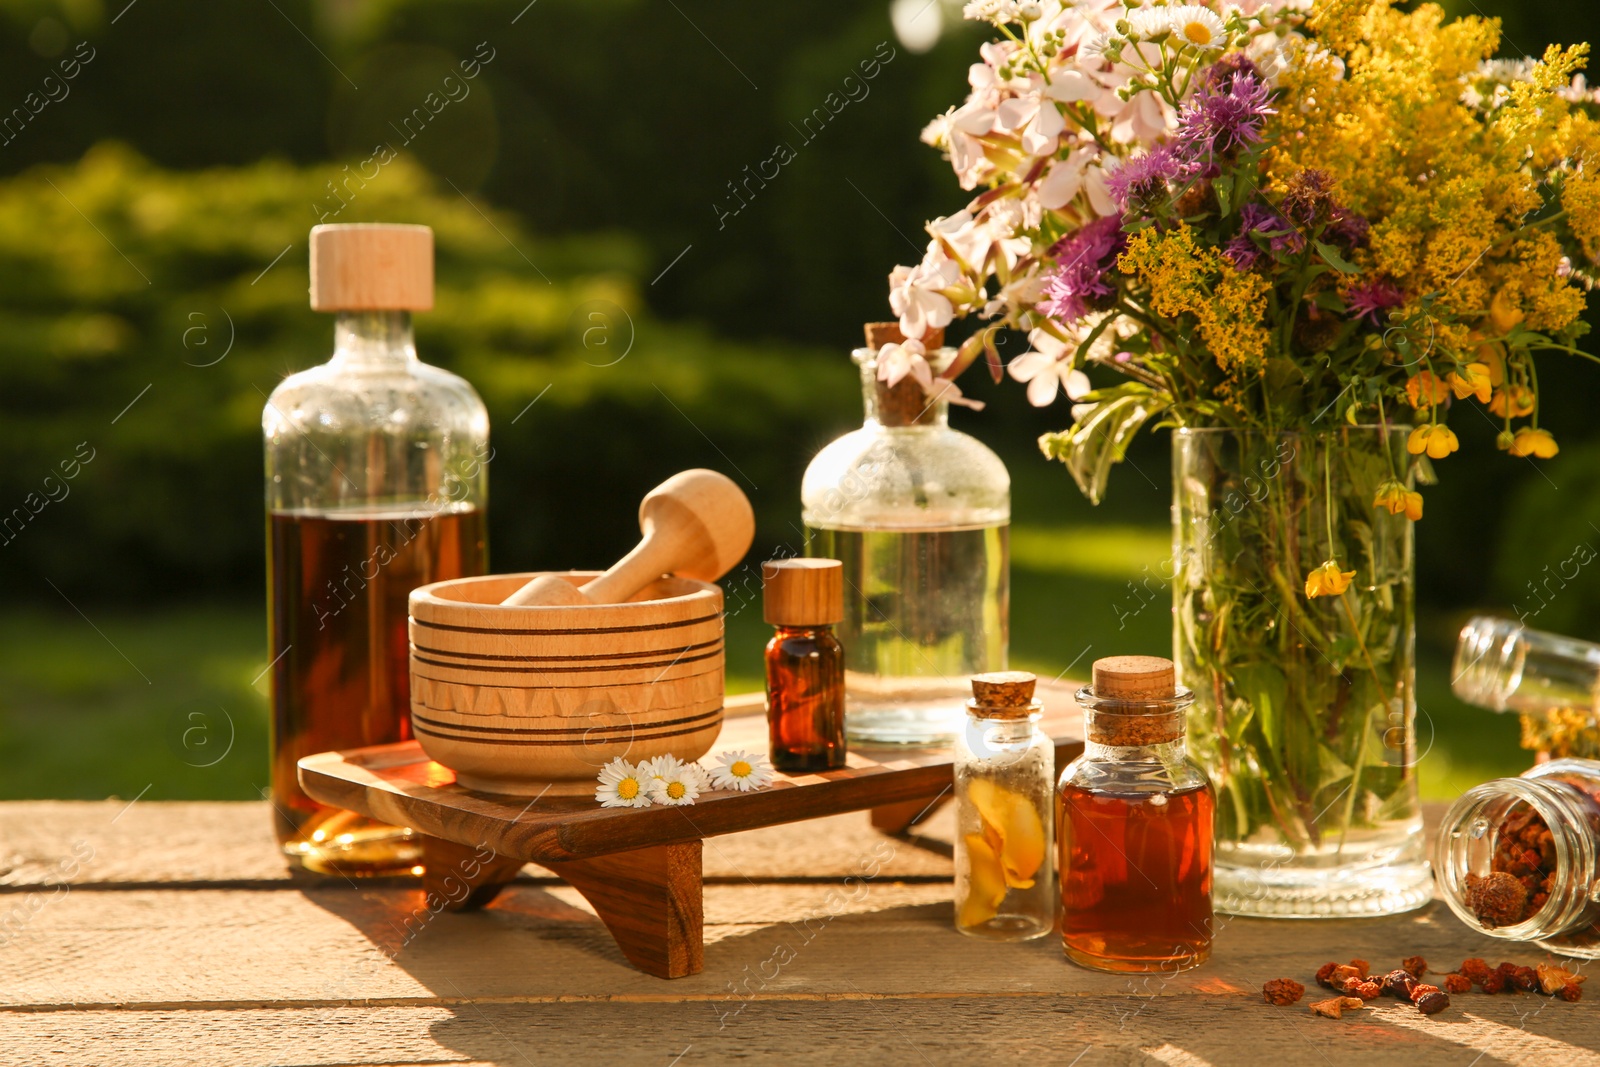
(696, 524)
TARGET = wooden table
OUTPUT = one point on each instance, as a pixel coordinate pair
(170, 934)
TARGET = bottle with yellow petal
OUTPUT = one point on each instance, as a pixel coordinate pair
(1135, 827)
(1004, 785)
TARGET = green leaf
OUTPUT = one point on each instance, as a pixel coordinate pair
(1331, 256)
(1223, 186)
(1101, 437)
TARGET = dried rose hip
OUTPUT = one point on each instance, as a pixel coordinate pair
(1457, 983)
(1525, 979)
(1433, 1003)
(1552, 978)
(1494, 983)
(1415, 966)
(1571, 991)
(1474, 970)
(1398, 984)
(1366, 989)
(1362, 968)
(1325, 974)
(1334, 1007)
(1421, 990)
(1342, 975)
(1497, 899)
(1282, 991)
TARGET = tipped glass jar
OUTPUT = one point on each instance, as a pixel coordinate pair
(1134, 827)
(919, 515)
(1519, 858)
(376, 471)
(1553, 682)
(1004, 770)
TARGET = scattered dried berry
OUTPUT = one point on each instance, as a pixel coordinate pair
(1282, 991)
(1415, 966)
(1366, 989)
(1362, 968)
(1570, 992)
(1342, 975)
(1494, 983)
(1457, 983)
(1421, 990)
(1398, 984)
(1497, 899)
(1325, 974)
(1474, 970)
(1509, 970)
(1553, 978)
(1334, 1007)
(1433, 1003)
(1525, 979)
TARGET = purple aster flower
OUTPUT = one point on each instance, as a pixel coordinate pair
(1309, 203)
(1084, 261)
(1145, 178)
(1244, 252)
(1370, 300)
(1219, 76)
(1222, 121)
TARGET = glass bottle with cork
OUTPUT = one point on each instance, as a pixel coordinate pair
(1134, 826)
(919, 515)
(376, 473)
(1004, 777)
(804, 599)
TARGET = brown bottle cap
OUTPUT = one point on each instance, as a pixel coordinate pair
(888, 333)
(1135, 678)
(802, 592)
(371, 267)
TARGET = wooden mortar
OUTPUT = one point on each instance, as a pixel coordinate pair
(522, 700)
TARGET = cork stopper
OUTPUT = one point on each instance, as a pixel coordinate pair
(1004, 694)
(802, 592)
(1134, 701)
(903, 404)
(371, 267)
(1134, 678)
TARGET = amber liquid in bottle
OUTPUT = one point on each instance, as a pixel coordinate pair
(805, 699)
(1135, 878)
(338, 583)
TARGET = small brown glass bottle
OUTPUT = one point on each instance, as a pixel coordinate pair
(804, 598)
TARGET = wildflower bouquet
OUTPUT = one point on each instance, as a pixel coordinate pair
(1303, 235)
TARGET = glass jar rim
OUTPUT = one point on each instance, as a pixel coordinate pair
(1088, 700)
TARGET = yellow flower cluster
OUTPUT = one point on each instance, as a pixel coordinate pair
(1447, 188)
(1185, 278)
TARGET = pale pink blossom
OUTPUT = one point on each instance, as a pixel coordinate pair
(1035, 120)
(916, 293)
(1047, 368)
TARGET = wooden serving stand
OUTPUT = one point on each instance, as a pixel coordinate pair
(638, 867)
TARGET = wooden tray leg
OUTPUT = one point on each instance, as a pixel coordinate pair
(650, 900)
(899, 817)
(463, 878)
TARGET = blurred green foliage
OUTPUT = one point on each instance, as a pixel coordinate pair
(149, 313)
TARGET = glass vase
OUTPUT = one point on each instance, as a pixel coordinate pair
(1304, 707)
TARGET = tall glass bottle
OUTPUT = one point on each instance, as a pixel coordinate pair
(920, 515)
(376, 468)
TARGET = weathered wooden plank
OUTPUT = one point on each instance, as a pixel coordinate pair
(230, 843)
(1176, 1030)
(243, 947)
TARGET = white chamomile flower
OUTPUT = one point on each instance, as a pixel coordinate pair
(660, 766)
(998, 12)
(1197, 26)
(678, 786)
(1149, 23)
(622, 785)
(741, 770)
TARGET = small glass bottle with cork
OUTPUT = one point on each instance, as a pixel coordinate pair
(376, 475)
(1004, 778)
(804, 599)
(1134, 826)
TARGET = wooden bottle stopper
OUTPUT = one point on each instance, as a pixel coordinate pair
(903, 404)
(696, 524)
(1140, 678)
(1004, 694)
(371, 267)
(802, 592)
